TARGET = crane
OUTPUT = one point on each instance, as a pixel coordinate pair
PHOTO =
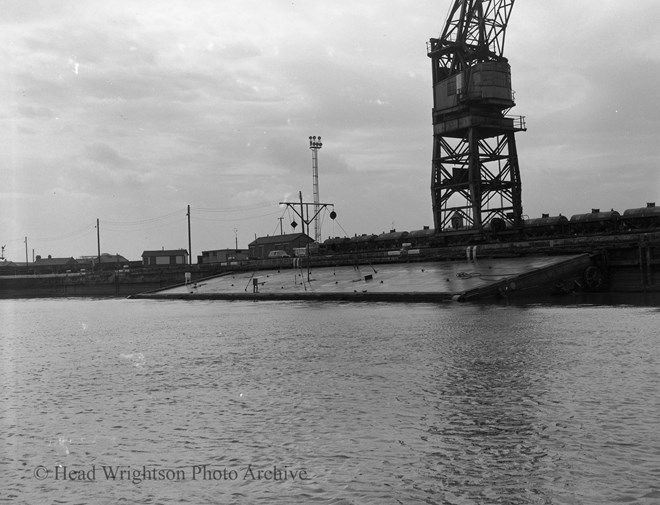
(475, 183)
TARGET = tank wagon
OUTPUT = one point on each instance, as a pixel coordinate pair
(547, 226)
(644, 218)
(595, 222)
(591, 223)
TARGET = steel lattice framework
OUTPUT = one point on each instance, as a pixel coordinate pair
(475, 178)
(476, 29)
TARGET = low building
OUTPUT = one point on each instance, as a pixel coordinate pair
(263, 246)
(165, 257)
(110, 260)
(54, 265)
(223, 256)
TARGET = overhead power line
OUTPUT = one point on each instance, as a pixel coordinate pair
(140, 222)
(233, 209)
(89, 228)
(234, 219)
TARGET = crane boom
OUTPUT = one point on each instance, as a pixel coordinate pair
(474, 32)
(480, 25)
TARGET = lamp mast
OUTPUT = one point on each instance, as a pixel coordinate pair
(315, 144)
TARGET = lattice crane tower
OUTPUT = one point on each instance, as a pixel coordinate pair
(475, 181)
(315, 144)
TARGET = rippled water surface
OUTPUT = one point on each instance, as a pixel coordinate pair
(239, 402)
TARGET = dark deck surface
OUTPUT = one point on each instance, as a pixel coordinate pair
(400, 281)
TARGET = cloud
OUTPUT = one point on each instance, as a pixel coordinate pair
(120, 110)
(105, 155)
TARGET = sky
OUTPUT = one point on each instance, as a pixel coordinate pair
(127, 112)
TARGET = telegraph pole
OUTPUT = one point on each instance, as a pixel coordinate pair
(98, 241)
(189, 241)
(302, 215)
(305, 220)
(303, 211)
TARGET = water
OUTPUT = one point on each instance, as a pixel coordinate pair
(331, 403)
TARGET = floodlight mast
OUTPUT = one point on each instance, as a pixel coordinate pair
(315, 144)
(475, 183)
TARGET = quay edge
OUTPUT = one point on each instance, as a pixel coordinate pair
(619, 263)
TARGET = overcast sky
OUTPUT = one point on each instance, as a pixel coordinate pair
(130, 110)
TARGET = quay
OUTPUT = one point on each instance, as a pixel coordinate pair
(616, 263)
(620, 263)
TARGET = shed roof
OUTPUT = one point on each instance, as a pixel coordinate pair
(55, 261)
(235, 251)
(113, 258)
(165, 252)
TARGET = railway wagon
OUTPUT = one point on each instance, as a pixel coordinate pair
(643, 218)
(595, 222)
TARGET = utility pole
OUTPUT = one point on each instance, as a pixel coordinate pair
(189, 241)
(302, 214)
(236, 237)
(26, 252)
(315, 144)
(98, 241)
